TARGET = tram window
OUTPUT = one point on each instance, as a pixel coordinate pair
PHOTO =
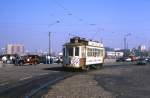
(101, 52)
(88, 52)
(77, 51)
(64, 53)
(70, 51)
(83, 52)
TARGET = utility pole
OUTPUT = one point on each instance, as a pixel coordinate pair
(125, 42)
(49, 44)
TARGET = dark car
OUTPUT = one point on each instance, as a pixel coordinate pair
(31, 59)
(120, 60)
(43, 59)
(141, 61)
(123, 59)
(147, 59)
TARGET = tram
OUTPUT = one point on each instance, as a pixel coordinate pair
(83, 53)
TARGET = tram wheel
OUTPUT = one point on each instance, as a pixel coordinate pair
(99, 66)
(86, 68)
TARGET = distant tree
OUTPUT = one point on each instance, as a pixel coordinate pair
(127, 52)
(109, 49)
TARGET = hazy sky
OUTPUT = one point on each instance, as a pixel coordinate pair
(29, 21)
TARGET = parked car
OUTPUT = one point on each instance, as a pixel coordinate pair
(123, 59)
(120, 59)
(141, 61)
(57, 60)
(127, 59)
(31, 59)
(147, 59)
(43, 59)
(9, 58)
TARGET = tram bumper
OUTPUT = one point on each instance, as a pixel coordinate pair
(71, 66)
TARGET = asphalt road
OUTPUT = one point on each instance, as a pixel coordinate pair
(123, 80)
(120, 80)
(11, 74)
(130, 81)
(17, 81)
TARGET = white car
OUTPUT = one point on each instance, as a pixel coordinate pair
(128, 59)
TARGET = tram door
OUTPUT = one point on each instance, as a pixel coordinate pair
(75, 60)
(72, 56)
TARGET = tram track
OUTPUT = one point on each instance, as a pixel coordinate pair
(37, 93)
(34, 92)
(34, 87)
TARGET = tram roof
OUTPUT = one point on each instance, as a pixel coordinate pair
(77, 41)
(74, 44)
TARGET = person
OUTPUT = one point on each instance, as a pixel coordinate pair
(51, 60)
(17, 60)
(12, 59)
(58, 61)
(21, 61)
(48, 59)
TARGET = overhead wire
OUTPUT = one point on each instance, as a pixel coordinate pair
(69, 13)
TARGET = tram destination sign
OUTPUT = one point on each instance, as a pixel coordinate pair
(92, 43)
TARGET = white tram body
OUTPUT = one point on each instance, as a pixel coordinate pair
(82, 53)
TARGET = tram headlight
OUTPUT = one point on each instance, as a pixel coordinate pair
(28, 60)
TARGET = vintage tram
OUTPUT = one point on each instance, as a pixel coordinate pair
(83, 53)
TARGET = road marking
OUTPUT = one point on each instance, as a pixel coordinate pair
(43, 74)
(4, 84)
(44, 85)
(32, 76)
(25, 78)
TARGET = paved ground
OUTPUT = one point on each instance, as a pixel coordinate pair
(11, 75)
(128, 81)
(120, 80)
(25, 81)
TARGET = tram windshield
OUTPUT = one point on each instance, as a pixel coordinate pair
(76, 51)
(72, 51)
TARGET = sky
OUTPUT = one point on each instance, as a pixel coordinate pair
(28, 22)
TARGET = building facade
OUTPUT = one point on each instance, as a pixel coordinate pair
(15, 49)
(114, 54)
(142, 48)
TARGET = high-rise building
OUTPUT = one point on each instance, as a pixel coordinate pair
(142, 48)
(14, 49)
(2, 51)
